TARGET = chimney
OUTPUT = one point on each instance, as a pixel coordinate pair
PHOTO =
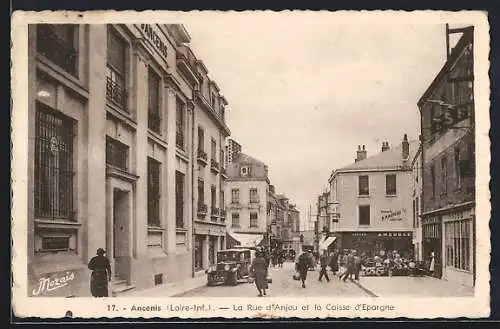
(406, 148)
(385, 146)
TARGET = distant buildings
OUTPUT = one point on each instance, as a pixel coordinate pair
(258, 216)
(448, 157)
(370, 201)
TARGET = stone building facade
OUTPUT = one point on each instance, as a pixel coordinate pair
(448, 157)
(111, 120)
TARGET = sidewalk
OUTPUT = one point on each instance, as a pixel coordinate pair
(408, 286)
(170, 289)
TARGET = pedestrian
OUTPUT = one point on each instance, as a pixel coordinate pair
(334, 265)
(281, 257)
(432, 263)
(259, 271)
(350, 266)
(101, 274)
(323, 260)
(304, 261)
(357, 265)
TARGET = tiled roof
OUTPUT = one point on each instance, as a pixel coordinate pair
(384, 160)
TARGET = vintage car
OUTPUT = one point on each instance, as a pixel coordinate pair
(232, 265)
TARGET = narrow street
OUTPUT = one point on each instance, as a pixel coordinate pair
(283, 285)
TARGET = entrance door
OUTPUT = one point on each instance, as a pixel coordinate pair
(120, 230)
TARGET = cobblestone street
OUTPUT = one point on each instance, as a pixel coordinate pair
(284, 286)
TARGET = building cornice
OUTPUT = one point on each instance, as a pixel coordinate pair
(200, 99)
(454, 207)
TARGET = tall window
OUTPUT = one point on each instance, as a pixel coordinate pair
(201, 192)
(116, 153)
(116, 69)
(235, 195)
(58, 43)
(213, 196)
(54, 172)
(153, 192)
(363, 185)
(201, 139)
(364, 215)
(444, 174)
(417, 211)
(213, 149)
(433, 180)
(414, 214)
(458, 244)
(458, 174)
(212, 100)
(154, 118)
(179, 199)
(180, 124)
(390, 184)
(222, 204)
(235, 219)
(254, 222)
(254, 196)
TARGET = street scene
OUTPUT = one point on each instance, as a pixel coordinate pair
(210, 159)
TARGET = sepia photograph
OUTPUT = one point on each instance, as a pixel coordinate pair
(254, 156)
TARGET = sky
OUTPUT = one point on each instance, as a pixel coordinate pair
(304, 91)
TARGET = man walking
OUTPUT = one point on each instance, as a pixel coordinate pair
(303, 263)
(350, 266)
(323, 260)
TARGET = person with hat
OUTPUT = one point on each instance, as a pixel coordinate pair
(101, 274)
(259, 272)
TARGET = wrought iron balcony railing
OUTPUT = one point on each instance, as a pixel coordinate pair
(214, 165)
(202, 155)
(116, 93)
(202, 209)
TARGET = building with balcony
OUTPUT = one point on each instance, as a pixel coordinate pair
(210, 131)
(112, 155)
(448, 159)
(247, 193)
(371, 200)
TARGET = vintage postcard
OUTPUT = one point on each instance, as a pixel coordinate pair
(250, 164)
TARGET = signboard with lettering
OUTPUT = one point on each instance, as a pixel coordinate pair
(56, 283)
(393, 215)
(382, 234)
(457, 215)
(155, 39)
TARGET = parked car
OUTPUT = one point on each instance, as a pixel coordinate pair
(231, 266)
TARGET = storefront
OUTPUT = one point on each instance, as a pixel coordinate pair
(432, 242)
(372, 243)
(458, 246)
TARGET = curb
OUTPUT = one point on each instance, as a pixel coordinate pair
(369, 292)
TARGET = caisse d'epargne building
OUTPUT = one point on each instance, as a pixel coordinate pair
(126, 132)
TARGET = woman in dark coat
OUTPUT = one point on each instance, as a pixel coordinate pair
(259, 270)
(101, 274)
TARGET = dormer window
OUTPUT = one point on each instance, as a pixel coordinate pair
(244, 171)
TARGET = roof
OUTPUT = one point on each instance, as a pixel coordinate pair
(257, 168)
(464, 40)
(390, 159)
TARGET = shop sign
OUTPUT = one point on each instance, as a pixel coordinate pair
(154, 38)
(457, 215)
(394, 234)
(393, 215)
(431, 220)
(49, 283)
(358, 234)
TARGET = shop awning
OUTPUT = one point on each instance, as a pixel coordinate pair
(247, 240)
(327, 242)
